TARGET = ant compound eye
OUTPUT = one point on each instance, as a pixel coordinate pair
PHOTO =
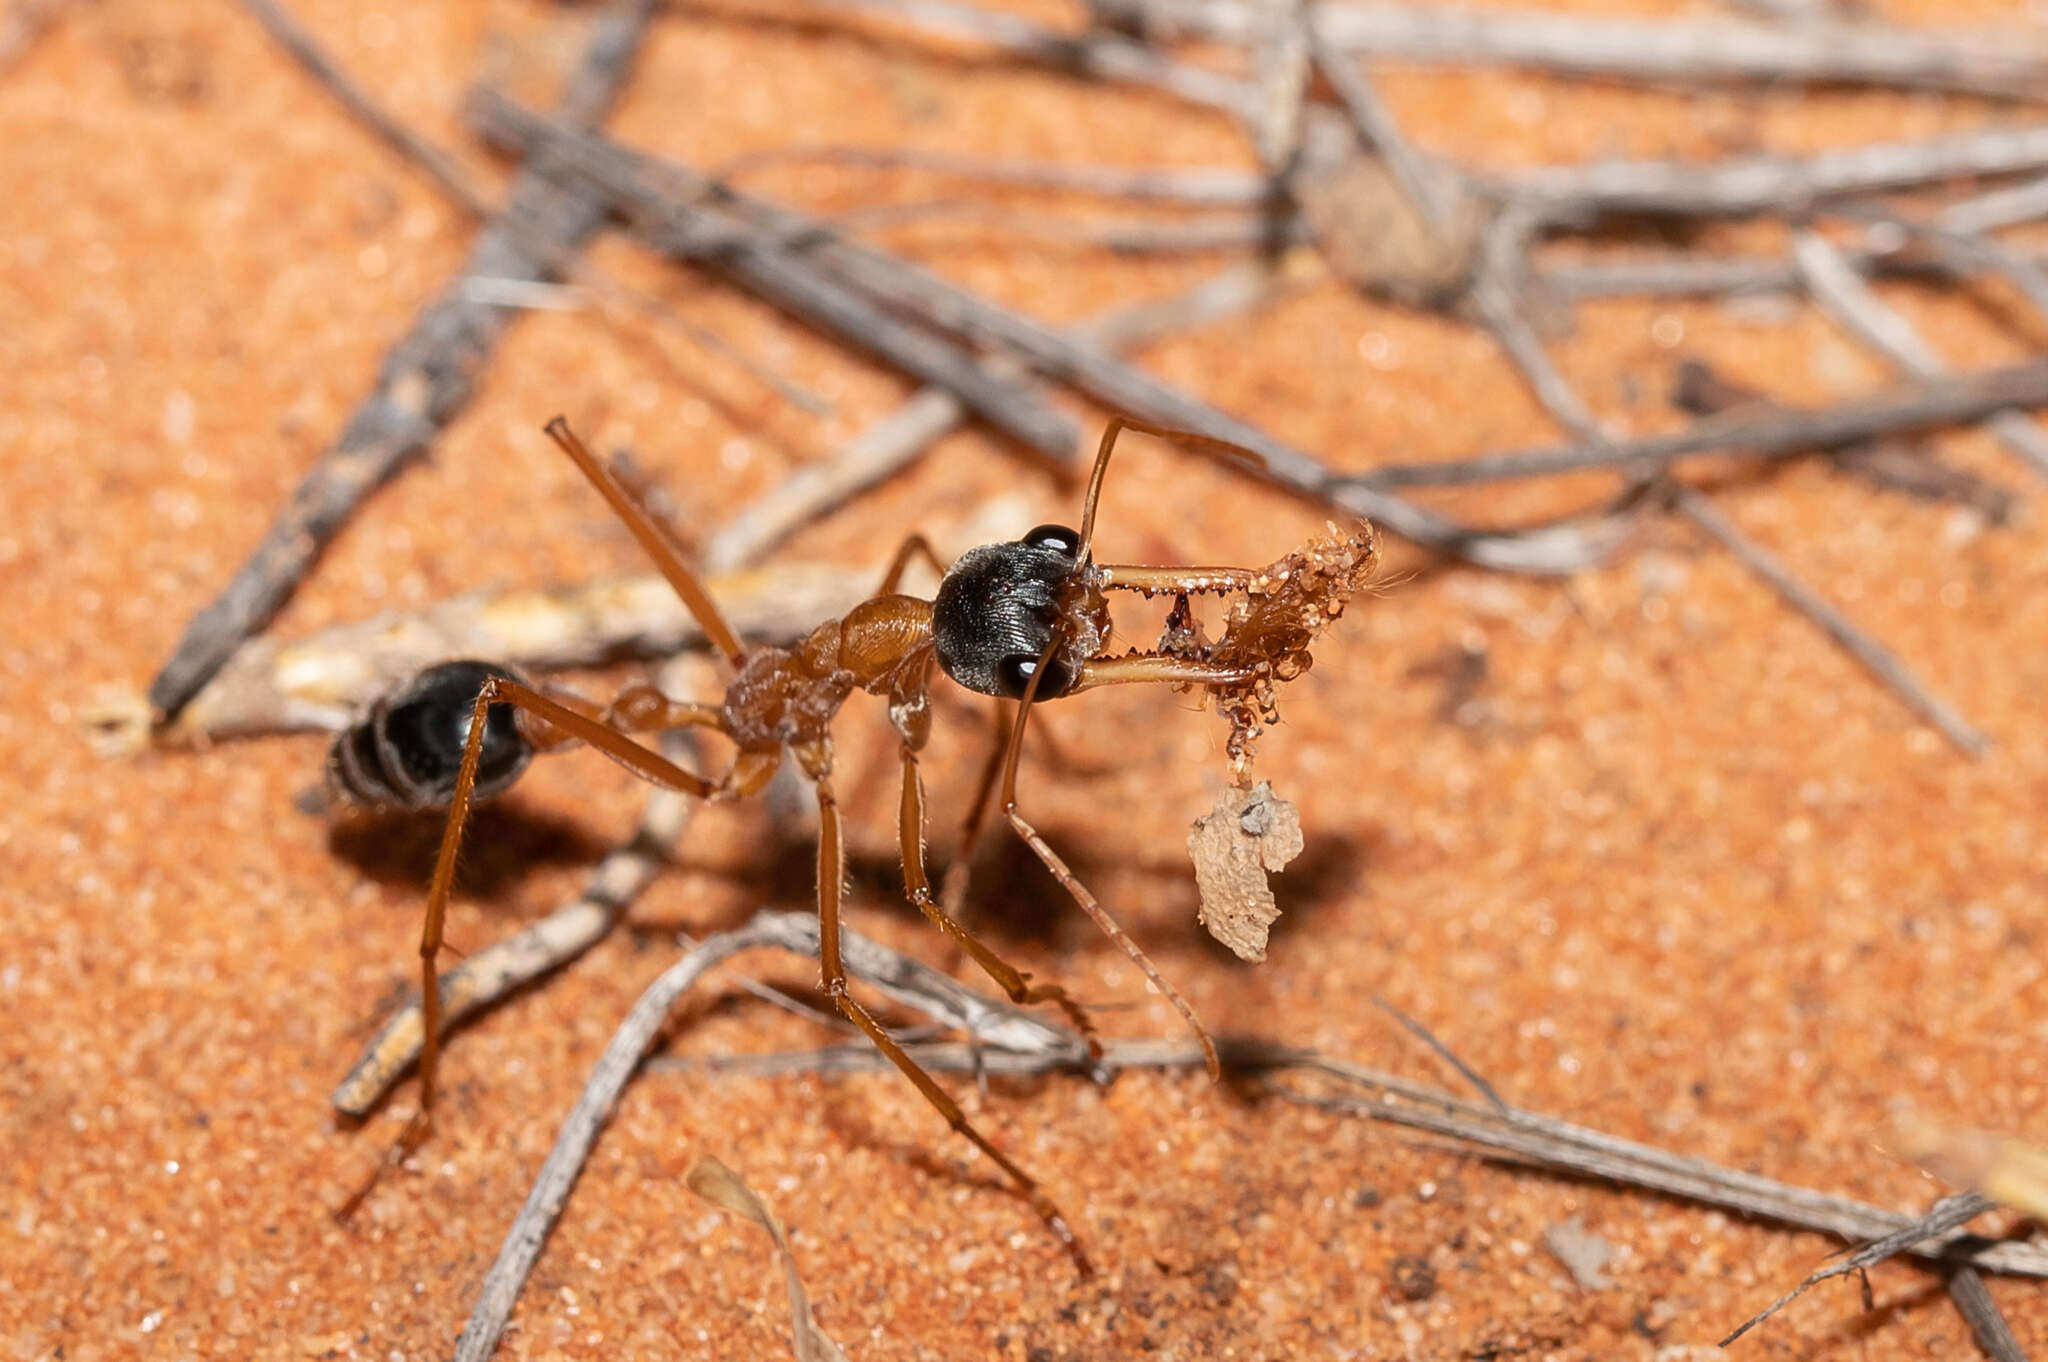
(1014, 673)
(1060, 539)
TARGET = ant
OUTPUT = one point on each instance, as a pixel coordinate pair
(1026, 621)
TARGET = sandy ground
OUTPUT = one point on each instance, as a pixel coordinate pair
(1669, 865)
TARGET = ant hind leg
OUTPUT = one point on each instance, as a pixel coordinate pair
(918, 885)
(649, 766)
(816, 761)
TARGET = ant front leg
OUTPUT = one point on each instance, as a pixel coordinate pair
(816, 759)
(918, 885)
(648, 766)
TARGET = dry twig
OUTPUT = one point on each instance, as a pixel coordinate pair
(1946, 1217)
(1787, 186)
(629, 178)
(1648, 51)
(1877, 659)
(1834, 284)
(424, 381)
(1194, 186)
(1770, 435)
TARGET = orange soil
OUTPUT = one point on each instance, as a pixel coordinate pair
(1676, 869)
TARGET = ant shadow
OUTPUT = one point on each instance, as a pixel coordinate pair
(1013, 901)
(503, 845)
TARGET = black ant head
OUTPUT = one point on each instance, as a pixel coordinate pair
(1001, 606)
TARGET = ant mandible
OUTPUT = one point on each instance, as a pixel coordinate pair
(1025, 620)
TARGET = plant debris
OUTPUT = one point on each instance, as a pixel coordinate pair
(723, 1188)
(1249, 835)
(1584, 1254)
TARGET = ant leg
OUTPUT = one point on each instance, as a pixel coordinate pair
(918, 886)
(917, 546)
(953, 893)
(649, 766)
(1072, 883)
(1119, 424)
(654, 538)
(817, 763)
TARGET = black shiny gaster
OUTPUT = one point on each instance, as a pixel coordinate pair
(407, 751)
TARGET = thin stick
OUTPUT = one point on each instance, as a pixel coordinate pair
(1645, 50)
(1516, 1134)
(1497, 302)
(1987, 1324)
(1127, 236)
(1959, 254)
(1442, 1051)
(1948, 1214)
(1203, 187)
(424, 381)
(794, 932)
(1771, 435)
(1675, 275)
(625, 175)
(1892, 463)
(452, 177)
(1786, 186)
(2007, 207)
(1877, 659)
(1841, 292)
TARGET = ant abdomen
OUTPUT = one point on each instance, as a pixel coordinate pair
(406, 751)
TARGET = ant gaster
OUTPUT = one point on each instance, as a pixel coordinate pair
(1025, 620)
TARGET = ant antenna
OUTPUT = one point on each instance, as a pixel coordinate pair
(1249, 459)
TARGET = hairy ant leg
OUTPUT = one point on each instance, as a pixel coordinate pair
(497, 689)
(911, 828)
(816, 759)
(917, 884)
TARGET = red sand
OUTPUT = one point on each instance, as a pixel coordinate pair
(1679, 870)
